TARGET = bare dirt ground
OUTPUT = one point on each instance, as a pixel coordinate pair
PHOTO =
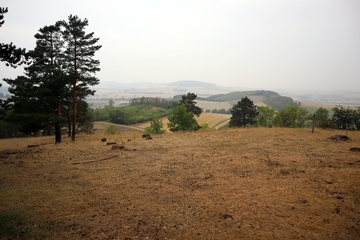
(230, 184)
(101, 126)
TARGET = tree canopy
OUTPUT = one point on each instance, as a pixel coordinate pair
(243, 113)
(57, 80)
(346, 117)
(265, 116)
(182, 120)
(9, 53)
(292, 116)
(156, 127)
(182, 117)
(79, 62)
(189, 102)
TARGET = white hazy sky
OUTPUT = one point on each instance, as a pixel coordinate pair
(269, 44)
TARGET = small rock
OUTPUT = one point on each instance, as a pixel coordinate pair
(146, 136)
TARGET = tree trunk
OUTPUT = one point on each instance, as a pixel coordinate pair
(74, 112)
(313, 124)
(57, 126)
(74, 96)
(69, 122)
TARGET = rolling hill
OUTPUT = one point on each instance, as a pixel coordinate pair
(259, 97)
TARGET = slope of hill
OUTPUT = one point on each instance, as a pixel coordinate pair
(239, 95)
(259, 97)
(213, 120)
(257, 183)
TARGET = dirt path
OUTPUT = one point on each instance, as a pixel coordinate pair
(222, 124)
(122, 126)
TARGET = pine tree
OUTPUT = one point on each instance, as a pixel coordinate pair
(79, 53)
(38, 96)
(190, 104)
(9, 53)
(12, 56)
(28, 109)
(47, 68)
(243, 113)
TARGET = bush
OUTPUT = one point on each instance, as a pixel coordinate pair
(111, 129)
(156, 127)
(204, 126)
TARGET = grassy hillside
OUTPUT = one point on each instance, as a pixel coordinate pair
(259, 97)
(211, 119)
(231, 184)
(239, 95)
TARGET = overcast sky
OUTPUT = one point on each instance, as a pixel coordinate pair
(270, 44)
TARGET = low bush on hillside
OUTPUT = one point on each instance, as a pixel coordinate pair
(111, 129)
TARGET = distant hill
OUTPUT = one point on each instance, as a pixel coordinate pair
(260, 97)
(238, 95)
(190, 83)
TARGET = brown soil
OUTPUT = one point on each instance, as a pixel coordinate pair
(230, 184)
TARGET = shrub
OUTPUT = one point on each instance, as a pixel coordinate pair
(205, 126)
(111, 129)
(156, 127)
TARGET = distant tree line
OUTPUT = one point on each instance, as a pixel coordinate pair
(130, 114)
(220, 111)
(245, 113)
(153, 101)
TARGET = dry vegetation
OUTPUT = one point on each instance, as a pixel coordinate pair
(229, 184)
(212, 119)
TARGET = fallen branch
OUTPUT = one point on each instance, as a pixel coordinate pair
(352, 163)
(354, 149)
(100, 160)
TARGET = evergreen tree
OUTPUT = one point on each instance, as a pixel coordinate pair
(80, 65)
(322, 118)
(53, 84)
(12, 56)
(9, 53)
(85, 117)
(47, 68)
(45, 80)
(243, 113)
(28, 109)
(188, 101)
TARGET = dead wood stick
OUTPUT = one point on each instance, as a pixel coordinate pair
(103, 159)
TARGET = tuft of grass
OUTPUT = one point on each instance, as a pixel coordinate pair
(12, 226)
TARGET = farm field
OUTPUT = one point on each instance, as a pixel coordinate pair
(211, 105)
(212, 119)
(260, 183)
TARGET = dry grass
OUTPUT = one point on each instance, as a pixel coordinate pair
(212, 119)
(100, 127)
(230, 184)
